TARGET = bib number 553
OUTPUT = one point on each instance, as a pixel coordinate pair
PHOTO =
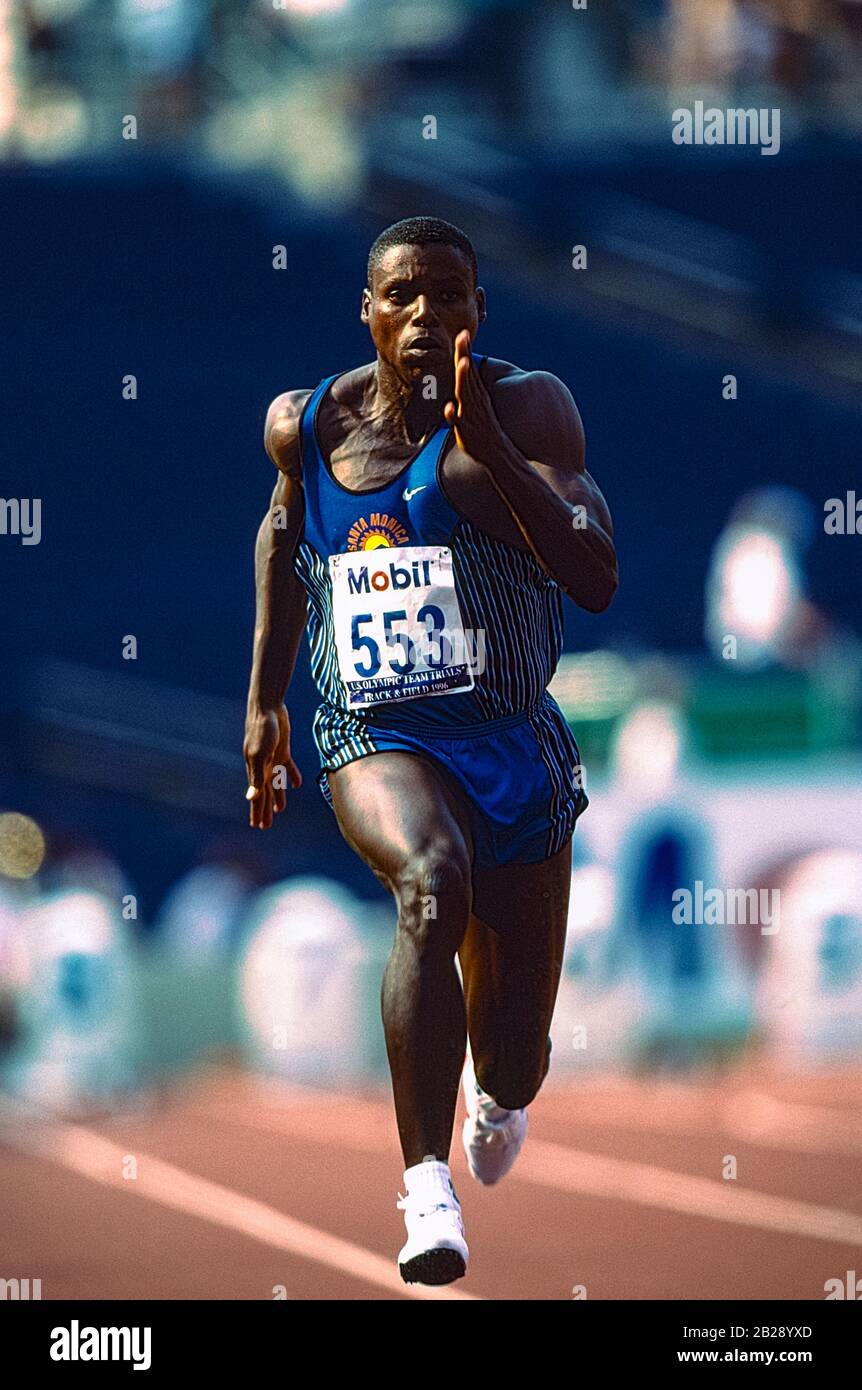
(430, 614)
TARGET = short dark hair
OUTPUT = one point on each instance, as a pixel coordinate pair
(419, 231)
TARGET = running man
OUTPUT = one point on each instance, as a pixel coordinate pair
(431, 509)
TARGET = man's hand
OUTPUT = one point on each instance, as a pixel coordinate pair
(267, 755)
(478, 432)
(530, 440)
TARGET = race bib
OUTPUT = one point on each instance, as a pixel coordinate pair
(398, 628)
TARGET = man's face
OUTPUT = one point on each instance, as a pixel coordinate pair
(421, 298)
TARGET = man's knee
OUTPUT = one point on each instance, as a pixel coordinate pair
(434, 892)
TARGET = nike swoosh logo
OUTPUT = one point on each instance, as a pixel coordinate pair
(412, 491)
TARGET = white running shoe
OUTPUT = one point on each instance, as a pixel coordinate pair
(493, 1137)
(436, 1251)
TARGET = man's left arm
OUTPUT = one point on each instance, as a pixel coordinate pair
(531, 441)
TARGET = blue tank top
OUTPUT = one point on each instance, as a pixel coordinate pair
(503, 592)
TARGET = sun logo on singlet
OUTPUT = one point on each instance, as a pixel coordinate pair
(377, 530)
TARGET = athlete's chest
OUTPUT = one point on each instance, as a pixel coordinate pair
(369, 473)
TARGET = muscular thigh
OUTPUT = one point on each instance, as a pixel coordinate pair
(392, 806)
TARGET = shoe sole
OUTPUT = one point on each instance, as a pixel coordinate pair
(434, 1267)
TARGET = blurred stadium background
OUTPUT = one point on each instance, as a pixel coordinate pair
(211, 997)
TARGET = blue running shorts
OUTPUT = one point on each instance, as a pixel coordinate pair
(522, 776)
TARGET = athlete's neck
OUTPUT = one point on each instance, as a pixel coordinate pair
(400, 406)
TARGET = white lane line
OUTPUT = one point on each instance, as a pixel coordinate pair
(87, 1153)
(596, 1175)
(563, 1169)
(836, 1094)
(751, 1117)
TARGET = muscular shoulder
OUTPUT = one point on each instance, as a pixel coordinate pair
(281, 431)
(537, 410)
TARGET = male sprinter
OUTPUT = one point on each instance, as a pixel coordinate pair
(431, 509)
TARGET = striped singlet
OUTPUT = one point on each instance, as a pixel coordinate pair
(505, 603)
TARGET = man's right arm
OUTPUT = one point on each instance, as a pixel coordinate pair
(281, 616)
